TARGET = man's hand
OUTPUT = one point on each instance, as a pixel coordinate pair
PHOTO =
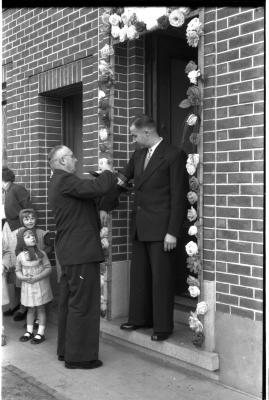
(103, 217)
(170, 242)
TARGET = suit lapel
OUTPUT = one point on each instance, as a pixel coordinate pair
(155, 161)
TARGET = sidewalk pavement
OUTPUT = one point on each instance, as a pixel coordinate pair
(125, 375)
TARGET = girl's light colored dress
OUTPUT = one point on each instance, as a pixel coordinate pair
(37, 293)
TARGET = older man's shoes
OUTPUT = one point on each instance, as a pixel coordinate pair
(157, 337)
(83, 365)
(131, 327)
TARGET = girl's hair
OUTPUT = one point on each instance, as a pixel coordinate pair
(25, 213)
(33, 251)
(7, 175)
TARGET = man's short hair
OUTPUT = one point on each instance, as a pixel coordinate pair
(7, 175)
(143, 121)
(54, 151)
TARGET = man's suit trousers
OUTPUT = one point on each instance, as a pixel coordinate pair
(151, 287)
(79, 312)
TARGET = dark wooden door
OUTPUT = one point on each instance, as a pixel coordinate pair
(167, 55)
(72, 127)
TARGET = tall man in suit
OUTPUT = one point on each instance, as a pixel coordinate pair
(158, 173)
(78, 248)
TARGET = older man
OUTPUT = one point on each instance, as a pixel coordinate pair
(78, 248)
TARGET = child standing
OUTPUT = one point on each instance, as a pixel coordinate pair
(33, 269)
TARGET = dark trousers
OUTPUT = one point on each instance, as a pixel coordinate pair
(79, 312)
(151, 286)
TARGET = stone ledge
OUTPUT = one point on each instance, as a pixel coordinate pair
(178, 349)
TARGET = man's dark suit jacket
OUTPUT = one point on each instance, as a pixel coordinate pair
(75, 212)
(16, 199)
(159, 201)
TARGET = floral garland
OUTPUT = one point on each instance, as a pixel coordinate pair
(128, 23)
(192, 123)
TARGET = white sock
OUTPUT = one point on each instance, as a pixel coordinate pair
(30, 328)
(41, 329)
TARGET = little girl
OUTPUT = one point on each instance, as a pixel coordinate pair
(33, 269)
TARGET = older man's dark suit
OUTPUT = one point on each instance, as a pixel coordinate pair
(158, 209)
(78, 247)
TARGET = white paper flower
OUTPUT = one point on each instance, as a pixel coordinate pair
(190, 169)
(105, 243)
(106, 51)
(193, 75)
(192, 214)
(104, 232)
(201, 308)
(191, 248)
(192, 38)
(194, 323)
(123, 33)
(101, 94)
(115, 31)
(152, 24)
(103, 304)
(104, 67)
(176, 18)
(131, 32)
(102, 280)
(192, 197)
(192, 119)
(195, 25)
(184, 10)
(193, 159)
(194, 291)
(103, 134)
(103, 164)
(192, 230)
(114, 19)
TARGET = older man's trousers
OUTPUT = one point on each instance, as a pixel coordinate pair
(79, 312)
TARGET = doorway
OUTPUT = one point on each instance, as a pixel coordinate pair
(167, 54)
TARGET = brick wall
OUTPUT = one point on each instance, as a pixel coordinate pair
(233, 157)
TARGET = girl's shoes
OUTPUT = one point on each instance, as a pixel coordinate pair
(38, 339)
(26, 337)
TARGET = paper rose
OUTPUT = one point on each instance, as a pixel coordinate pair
(191, 66)
(123, 33)
(194, 264)
(102, 280)
(104, 232)
(193, 230)
(105, 18)
(192, 119)
(192, 281)
(193, 75)
(194, 95)
(184, 10)
(194, 291)
(198, 339)
(163, 22)
(114, 19)
(115, 31)
(192, 38)
(103, 307)
(191, 248)
(101, 94)
(131, 32)
(195, 25)
(105, 243)
(192, 214)
(192, 197)
(201, 308)
(104, 67)
(140, 26)
(106, 51)
(194, 184)
(190, 168)
(103, 164)
(103, 134)
(194, 323)
(176, 18)
(193, 159)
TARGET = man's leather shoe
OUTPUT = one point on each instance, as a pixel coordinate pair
(157, 337)
(61, 358)
(83, 365)
(129, 327)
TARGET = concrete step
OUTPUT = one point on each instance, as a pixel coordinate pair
(177, 350)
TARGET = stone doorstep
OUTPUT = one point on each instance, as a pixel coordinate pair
(177, 350)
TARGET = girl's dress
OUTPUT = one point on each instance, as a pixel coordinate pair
(37, 293)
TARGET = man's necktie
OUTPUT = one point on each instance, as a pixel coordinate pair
(149, 153)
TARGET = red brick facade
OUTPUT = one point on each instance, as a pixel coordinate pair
(48, 49)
